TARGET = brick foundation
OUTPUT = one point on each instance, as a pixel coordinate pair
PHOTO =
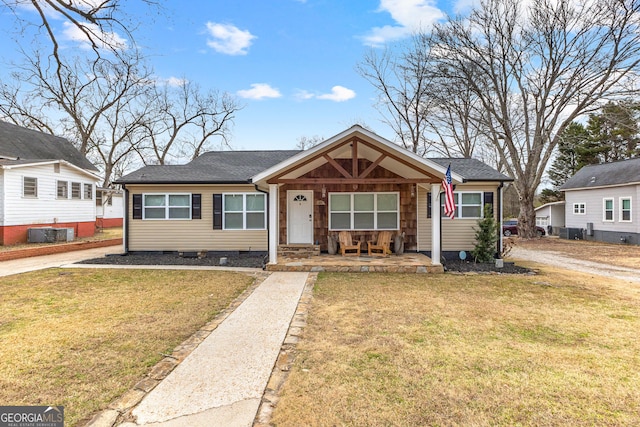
(13, 234)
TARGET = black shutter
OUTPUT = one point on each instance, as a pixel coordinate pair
(428, 205)
(137, 206)
(217, 211)
(488, 199)
(196, 206)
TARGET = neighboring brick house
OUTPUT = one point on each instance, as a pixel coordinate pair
(602, 202)
(44, 181)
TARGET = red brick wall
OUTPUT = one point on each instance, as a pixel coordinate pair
(108, 222)
(13, 234)
(56, 248)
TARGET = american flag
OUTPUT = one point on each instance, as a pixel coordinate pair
(449, 202)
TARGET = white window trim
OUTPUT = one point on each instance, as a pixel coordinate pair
(66, 196)
(458, 212)
(30, 196)
(604, 209)
(576, 208)
(630, 209)
(166, 207)
(244, 211)
(84, 191)
(79, 185)
(375, 211)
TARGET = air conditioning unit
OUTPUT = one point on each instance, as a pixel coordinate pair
(63, 234)
(40, 235)
(589, 229)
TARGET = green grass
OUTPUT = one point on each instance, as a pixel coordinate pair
(486, 350)
(81, 338)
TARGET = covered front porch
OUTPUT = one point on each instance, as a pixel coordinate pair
(413, 263)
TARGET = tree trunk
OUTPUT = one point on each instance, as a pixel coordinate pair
(527, 215)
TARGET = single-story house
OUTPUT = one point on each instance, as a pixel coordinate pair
(550, 216)
(258, 200)
(44, 182)
(603, 202)
(109, 207)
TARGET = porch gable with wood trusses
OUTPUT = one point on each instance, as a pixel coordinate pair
(355, 160)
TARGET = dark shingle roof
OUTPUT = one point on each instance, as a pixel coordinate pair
(232, 167)
(29, 145)
(471, 169)
(216, 167)
(614, 173)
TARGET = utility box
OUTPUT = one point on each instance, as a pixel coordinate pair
(589, 229)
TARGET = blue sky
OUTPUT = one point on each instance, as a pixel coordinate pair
(290, 62)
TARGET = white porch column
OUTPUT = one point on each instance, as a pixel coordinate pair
(435, 224)
(274, 230)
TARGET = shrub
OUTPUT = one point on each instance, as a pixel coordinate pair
(486, 237)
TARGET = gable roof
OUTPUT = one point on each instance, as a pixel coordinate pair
(24, 145)
(623, 172)
(215, 167)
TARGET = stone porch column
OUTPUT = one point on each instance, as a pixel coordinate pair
(274, 217)
(436, 250)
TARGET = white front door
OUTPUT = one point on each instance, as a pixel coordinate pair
(300, 216)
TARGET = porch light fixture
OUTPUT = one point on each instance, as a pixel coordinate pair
(324, 191)
(413, 190)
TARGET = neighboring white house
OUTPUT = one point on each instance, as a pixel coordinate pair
(44, 182)
(109, 207)
(550, 216)
(603, 202)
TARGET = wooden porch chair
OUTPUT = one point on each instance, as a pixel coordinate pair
(347, 244)
(382, 247)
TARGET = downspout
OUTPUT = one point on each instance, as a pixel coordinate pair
(125, 235)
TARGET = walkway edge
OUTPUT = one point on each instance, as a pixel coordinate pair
(120, 409)
(287, 356)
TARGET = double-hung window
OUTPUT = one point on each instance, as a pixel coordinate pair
(88, 191)
(166, 206)
(75, 190)
(29, 187)
(625, 209)
(62, 189)
(364, 211)
(244, 211)
(468, 204)
(579, 208)
(607, 206)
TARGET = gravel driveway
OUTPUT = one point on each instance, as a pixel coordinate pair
(557, 259)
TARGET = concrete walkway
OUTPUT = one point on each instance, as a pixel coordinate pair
(222, 381)
(23, 265)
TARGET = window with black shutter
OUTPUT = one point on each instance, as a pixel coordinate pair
(217, 211)
(196, 206)
(137, 206)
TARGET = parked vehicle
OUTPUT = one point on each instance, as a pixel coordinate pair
(510, 228)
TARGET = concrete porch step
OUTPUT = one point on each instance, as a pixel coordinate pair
(298, 251)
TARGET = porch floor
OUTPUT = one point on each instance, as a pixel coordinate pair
(406, 263)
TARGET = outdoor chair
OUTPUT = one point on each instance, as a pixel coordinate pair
(382, 246)
(347, 244)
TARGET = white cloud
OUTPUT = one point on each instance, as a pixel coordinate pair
(259, 91)
(338, 94)
(102, 39)
(302, 94)
(410, 15)
(175, 81)
(229, 39)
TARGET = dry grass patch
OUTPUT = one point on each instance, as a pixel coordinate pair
(466, 350)
(80, 338)
(607, 253)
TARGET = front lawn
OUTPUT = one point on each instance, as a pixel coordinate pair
(559, 348)
(81, 338)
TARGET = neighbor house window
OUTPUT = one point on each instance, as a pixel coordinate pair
(88, 191)
(364, 211)
(166, 206)
(625, 209)
(75, 190)
(579, 208)
(468, 205)
(244, 211)
(63, 189)
(607, 214)
(29, 187)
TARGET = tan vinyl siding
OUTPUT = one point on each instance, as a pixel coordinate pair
(191, 235)
(457, 234)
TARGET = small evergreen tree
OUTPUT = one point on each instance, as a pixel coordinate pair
(486, 237)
